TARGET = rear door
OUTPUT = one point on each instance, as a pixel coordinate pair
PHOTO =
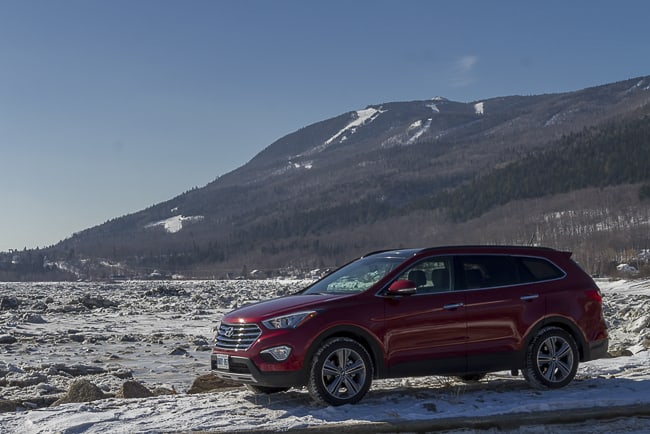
(500, 309)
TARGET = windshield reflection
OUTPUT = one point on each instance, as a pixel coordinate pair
(355, 277)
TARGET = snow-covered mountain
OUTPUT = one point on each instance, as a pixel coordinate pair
(372, 178)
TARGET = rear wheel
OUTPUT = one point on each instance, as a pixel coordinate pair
(341, 372)
(551, 359)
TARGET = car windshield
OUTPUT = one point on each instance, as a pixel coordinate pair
(355, 277)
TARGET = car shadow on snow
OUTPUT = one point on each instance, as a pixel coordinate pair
(418, 390)
(427, 398)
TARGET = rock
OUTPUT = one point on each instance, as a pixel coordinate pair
(620, 352)
(33, 318)
(178, 352)
(7, 340)
(158, 391)
(133, 389)
(6, 368)
(7, 405)
(163, 291)
(208, 382)
(79, 370)
(9, 303)
(77, 338)
(24, 380)
(39, 305)
(120, 372)
(48, 389)
(81, 391)
(640, 324)
(645, 343)
(95, 302)
(201, 342)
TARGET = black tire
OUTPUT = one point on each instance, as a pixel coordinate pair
(265, 390)
(341, 372)
(471, 378)
(551, 359)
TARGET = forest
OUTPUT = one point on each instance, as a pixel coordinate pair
(609, 155)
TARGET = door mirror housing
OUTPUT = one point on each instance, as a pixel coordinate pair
(402, 287)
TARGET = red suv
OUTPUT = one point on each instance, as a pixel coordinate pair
(462, 311)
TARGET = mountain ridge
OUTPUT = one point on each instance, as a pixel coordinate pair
(342, 186)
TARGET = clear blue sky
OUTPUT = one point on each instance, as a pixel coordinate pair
(108, 107)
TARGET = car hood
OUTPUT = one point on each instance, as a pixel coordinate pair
(279, 306)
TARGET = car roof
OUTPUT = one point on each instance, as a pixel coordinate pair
(466, 249)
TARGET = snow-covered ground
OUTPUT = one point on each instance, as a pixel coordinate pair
(159, 334)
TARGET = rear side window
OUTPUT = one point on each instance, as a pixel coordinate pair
(538, 269)
(487, 271)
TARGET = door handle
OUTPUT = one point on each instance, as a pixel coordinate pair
(453, 306)
(529, 297)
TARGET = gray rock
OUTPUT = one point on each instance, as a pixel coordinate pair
(39, 305)
(620, 352)
(79, 370)
(133, 389)
(208, 382)
(24, 380)
(178, 352)
(95, 302)
(81, 391)
(7, 340)
(158, 391)
(7, 405)
(122, 373)
(33, 318)
(9, 303)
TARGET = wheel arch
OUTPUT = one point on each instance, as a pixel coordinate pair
(565, 324)
(358, 334)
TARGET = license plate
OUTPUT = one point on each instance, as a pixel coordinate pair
(222, 362)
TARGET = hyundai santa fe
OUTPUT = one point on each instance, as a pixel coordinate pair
(462, 311)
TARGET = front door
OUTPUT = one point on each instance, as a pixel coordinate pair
(426, 332)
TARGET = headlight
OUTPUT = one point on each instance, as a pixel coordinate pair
(290, 321)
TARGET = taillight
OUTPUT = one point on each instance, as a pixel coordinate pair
(594, 294)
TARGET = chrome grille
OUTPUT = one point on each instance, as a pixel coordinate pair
(237, 337)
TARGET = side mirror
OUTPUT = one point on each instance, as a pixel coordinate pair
(402, 287)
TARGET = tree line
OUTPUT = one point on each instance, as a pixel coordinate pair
(618, 153)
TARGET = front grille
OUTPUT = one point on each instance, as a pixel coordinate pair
(238, 367)
(237, 337)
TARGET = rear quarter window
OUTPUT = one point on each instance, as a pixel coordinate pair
(538, 269)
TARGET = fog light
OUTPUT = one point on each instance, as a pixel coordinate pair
(279, 353)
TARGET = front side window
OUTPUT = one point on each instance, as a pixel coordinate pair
(431, 275)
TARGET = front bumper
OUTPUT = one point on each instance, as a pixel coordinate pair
(243, 370)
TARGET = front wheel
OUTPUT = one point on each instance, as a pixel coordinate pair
(341, 372)
(551, 359)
